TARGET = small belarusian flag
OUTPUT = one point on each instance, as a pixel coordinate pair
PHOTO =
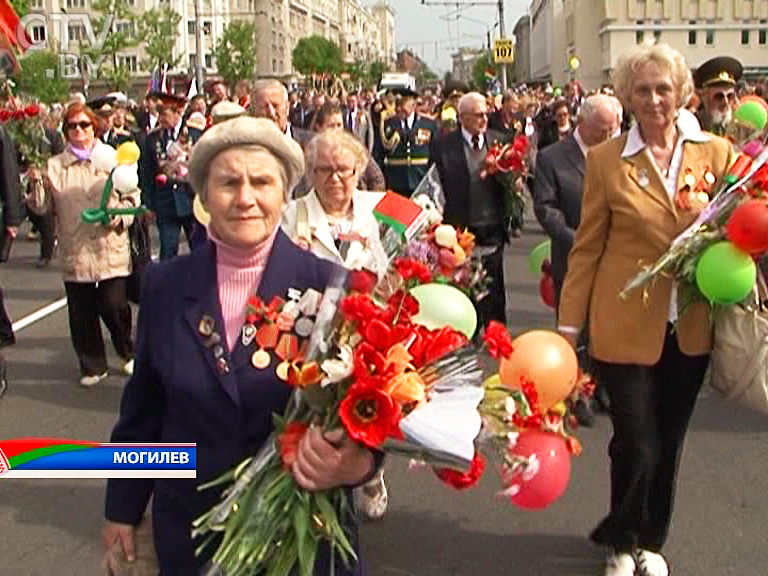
(400, 213)
(490, 73)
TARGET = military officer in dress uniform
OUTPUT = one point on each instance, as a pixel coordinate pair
(408, 140)
(168, 194)
(716, 81)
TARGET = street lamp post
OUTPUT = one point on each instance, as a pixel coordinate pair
(199, 45)
(502, 33)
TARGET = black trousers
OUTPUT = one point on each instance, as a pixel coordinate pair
(494, 305)
(650, 408)
(86, 303)
(45, 225)
(169, 228)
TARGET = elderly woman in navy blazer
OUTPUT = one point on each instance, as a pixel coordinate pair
(195, 379)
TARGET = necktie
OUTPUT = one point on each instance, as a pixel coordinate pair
(476, 142)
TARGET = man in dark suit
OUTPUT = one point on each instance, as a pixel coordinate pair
(147, 116)
(409, 142)
(270, 100)
(472, 201)
(557, 191)
(507, 121)
(11, 206)
(559, 177)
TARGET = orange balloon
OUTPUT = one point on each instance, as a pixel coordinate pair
(546, 359)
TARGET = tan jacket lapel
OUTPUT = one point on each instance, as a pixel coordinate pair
(643, 172)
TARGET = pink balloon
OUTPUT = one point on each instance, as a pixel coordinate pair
(545, 478)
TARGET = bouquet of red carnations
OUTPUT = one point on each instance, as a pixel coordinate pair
(508, 163)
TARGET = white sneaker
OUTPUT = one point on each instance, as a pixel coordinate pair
(372, 498)
(619, 564)
(89, 381)
(128, 367)
(651, 564)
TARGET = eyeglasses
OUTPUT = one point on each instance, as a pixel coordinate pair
(325, 172)
(476, 114)
(82, 125)
(720, 97)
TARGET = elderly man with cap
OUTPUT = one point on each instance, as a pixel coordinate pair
(199, 379)
(168, 196)
(408, 140)
(716, 81)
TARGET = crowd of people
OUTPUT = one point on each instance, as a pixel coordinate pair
(271, 187)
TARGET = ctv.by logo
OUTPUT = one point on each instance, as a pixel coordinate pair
(69, 63)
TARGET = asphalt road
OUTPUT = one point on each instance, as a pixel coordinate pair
(51, 527)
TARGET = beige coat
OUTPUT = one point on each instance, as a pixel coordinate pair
(88, 252)
(628, 221)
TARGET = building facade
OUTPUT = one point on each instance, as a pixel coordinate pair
(464, 63)
(522, 32)
(597, 32)
(408, 62)
(362, 32)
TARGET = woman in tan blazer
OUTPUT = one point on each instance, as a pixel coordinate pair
(650, 355)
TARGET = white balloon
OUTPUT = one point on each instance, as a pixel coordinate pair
(104, 157)
(445, 236)
(125, 178)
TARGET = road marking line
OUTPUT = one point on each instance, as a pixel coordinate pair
(39, 314)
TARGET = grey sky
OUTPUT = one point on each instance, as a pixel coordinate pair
(433, 33)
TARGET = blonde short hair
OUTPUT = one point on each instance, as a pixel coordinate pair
(663, 55)
(335, 140)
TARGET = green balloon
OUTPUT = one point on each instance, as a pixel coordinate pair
(441, 305)
(725, 274)
(542, 252)
(752, 114)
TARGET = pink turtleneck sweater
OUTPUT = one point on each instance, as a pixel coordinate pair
(239, 273)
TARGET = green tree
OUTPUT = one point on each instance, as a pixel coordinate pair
(317, 55)
(483, 63)
(375, 71)
(426, 77)
(34, 81)
(20, 6)
(117, 41)
(159, 29)
(235, 51)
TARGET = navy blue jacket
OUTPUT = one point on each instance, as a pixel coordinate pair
(177, 393)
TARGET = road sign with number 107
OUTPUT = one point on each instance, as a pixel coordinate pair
(504, 51)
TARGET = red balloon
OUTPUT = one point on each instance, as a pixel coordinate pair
(748, 227)
(545, 478)
(547, 290)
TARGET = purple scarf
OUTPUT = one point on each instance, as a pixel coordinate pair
(81, 153)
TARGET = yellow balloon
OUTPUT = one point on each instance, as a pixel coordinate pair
(201, 214)
(128, 153)
(494, 380)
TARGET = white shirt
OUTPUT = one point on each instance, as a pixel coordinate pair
(635, 144)
(583, 147)
(468, 138)
(408, 122)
